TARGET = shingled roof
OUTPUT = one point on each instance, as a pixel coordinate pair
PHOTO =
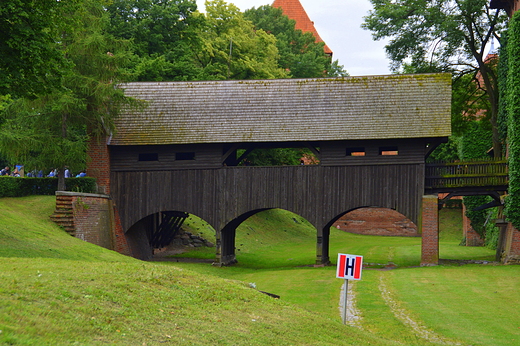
(295, 11)
(285, 110)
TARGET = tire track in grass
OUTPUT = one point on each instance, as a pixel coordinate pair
(353, 313)
(402, 315)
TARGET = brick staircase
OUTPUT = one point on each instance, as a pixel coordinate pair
(63, 215)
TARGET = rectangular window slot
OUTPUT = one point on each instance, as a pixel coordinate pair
(388, 151)
(184, 156)
(149, 157)
(356, 151)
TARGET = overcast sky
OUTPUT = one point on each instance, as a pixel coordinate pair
(339, 24)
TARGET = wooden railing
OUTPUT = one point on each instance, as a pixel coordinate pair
(482, 173)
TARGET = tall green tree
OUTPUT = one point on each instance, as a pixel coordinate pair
(233, 49)
(52, 129)
(299, 52)
(165, 36)
(442, 35)
(31, 60)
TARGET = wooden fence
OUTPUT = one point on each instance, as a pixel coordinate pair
(481, 173)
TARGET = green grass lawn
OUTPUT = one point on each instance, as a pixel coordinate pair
(58, 290)
(466, 313)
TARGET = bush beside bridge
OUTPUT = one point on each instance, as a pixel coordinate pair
(19, 187)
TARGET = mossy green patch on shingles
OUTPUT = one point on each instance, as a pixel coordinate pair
(236, 111)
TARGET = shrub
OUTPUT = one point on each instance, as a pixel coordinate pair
(19, 187)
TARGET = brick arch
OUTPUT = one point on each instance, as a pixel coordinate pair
(375, 220)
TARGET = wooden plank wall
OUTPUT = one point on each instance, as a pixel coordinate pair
(318, 193)
(410, 151)
(126, 158)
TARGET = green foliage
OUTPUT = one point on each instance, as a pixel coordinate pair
(50, 130)
(19, 187)
(299, 52)
(492, 231)
(31, 60)
(513, 110)
(233, 49)
(438, 33)
(469, 103)
(165, 36)
(275, 157)
(476, 141)
(503, 71)
(478, 218)
(428, 36)
(446, 151)
(475, 144)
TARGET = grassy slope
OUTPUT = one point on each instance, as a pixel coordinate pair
(58, 290)
(48, 297)
(470, 305)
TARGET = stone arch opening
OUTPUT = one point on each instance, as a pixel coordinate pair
(235, 241)
(160, 231)
(375, 220)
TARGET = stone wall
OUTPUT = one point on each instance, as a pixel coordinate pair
(377, 221)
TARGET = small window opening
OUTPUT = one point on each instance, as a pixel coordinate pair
(388, 151)
(184, 156)
(149, 157)
(356, 151)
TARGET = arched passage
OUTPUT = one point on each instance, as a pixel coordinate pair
(269, 224)
(155, 231)
(323, 245)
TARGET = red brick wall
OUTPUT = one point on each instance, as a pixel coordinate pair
(471, 236)
(430, 231)
(376, 221)
(120, 241)
(93, 219)
(99, 164)
(512, 247)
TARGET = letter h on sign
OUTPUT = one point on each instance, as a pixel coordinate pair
(349, 267)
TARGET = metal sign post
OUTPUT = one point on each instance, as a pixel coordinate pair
(349, 268)
(345, 302)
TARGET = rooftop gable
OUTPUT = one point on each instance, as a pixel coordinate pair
(295, 11)
(287, 110)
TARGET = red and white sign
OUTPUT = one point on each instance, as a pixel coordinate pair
(349, 267)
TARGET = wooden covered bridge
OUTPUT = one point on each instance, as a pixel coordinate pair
(182, 152)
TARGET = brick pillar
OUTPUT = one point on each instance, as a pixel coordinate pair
(99, 164)
(430, 231)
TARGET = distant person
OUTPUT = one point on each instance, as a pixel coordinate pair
(81, 174)
(40, 174)
(52, 173)
(5, 171)
(16, 173)
(67, 172)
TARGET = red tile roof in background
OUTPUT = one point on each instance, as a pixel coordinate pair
(294, 10)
